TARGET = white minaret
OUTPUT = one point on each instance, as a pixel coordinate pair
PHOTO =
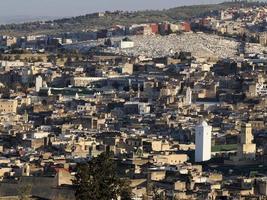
(77, 96)
(38, 83)
(188, 96)
(203, 142)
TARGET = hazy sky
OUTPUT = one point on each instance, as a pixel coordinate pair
(57, 8)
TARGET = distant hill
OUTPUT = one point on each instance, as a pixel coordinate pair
(93, 21)
(22, 19)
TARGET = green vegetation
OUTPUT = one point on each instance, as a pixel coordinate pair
(89, 22)
(97, 179)
(226, 147)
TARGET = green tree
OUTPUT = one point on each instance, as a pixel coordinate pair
(125, 191)
(97, 180)
(156, 194)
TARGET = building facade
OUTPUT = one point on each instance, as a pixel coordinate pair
(203, 142)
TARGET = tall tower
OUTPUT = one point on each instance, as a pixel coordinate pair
(188, 96)
(38, 83)
(246, 134)
(247, 149)
(203, 142)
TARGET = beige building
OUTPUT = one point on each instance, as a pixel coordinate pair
(246, 152)
(10, 41)
(263, 39)
(127, 68)
(157, 175)
(158, 145)
(247, 149)
(172, 159)
(8, 106)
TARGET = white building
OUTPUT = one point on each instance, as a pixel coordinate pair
(126, 43)
(38, 83)
(39, 134)
(144, 108)
(188, 98)
(10, 65)
(203, 142)
(85, 81)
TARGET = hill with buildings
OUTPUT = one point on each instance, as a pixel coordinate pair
(108, 19)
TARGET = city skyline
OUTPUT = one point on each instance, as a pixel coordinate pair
(134, 105)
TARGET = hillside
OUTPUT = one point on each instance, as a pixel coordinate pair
(91, 21)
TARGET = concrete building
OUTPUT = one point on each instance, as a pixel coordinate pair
(8, 106)
(261, 185)
(203, 142)
(85, 81)
(126, 43)
(9, 41)
(171, 159)
(127, 68)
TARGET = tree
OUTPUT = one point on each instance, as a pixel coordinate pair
(157, 195)
(97, 180)
(154, 192)
(125, 190)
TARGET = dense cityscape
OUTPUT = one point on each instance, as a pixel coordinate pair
(170, 110)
